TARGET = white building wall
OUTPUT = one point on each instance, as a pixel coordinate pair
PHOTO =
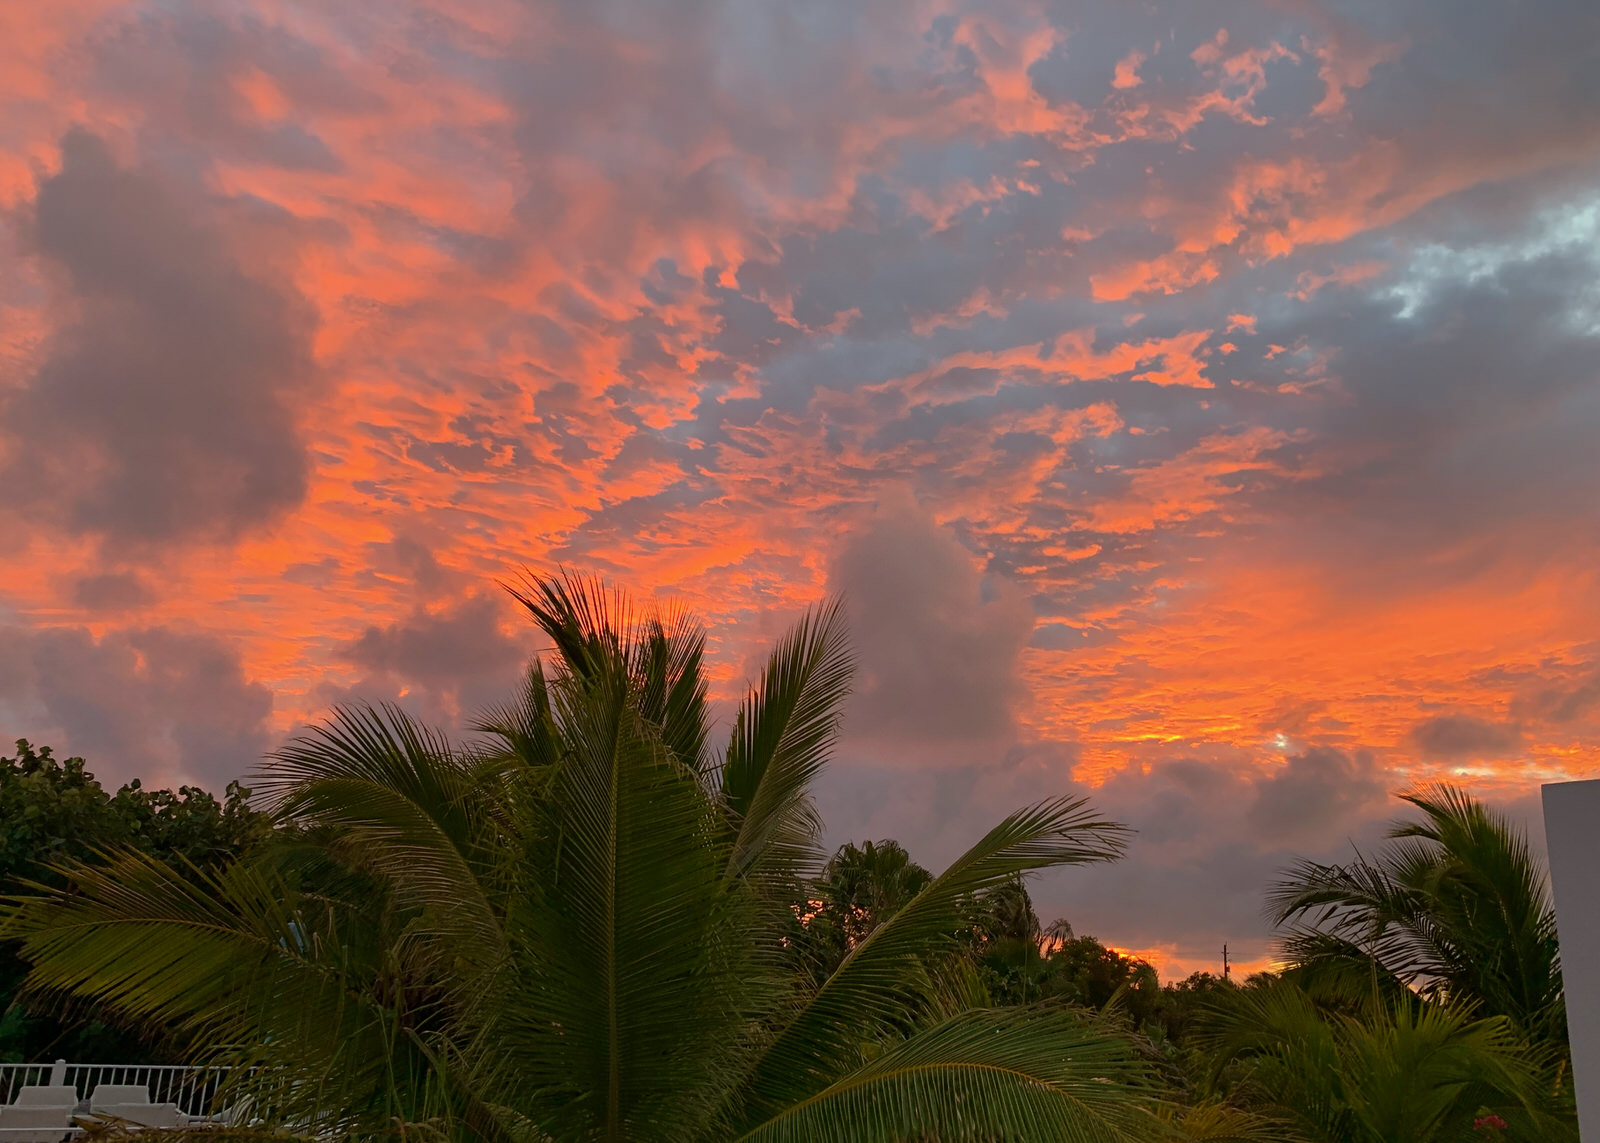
(1572, 829)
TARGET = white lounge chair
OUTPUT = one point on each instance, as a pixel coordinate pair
(39, 1114)
(132, 1103)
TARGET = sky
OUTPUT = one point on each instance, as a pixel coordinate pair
(1195, 402)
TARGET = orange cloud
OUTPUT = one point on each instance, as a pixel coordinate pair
(1126, 73)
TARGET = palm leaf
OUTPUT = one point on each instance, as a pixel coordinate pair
(1221, 1123)
(240, 964)
(784, 732)
(1455, 906)
(627, 958)
(400, 803)
(590, 625)
(877, 986)
(672, 685)
(524, 727)
(983, 1076)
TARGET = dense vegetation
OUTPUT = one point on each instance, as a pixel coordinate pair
(53, 813)
(593, 925)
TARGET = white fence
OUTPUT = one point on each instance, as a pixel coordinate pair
(193, 1089)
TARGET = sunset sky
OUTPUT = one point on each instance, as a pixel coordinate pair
(1199, 403)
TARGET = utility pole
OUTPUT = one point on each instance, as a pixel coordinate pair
(1224, 961)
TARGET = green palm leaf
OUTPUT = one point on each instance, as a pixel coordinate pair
(252, 973)
(401, 804)
(781, 739)
(882, 983)
(1455, 905)
(983, 1076)
(672, 685)
(628, 968)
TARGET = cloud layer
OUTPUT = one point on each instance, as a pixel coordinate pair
(1196, 401)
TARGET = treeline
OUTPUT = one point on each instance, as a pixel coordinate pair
(1014, 959)
(53, 813)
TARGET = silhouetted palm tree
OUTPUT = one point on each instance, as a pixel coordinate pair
(1455, 906)
(578, 931)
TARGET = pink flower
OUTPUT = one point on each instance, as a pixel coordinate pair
(1490, 1122)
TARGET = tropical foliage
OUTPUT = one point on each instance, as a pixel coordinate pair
(1378, 1070)
(52, 811)
(1454, 907)
(580, 930)
(593, 924)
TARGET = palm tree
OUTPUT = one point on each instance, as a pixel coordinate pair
(1401, 1070)
(1455, 907)
(578, 931)
(860, 887)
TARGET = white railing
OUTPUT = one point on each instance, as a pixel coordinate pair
(193, 1089)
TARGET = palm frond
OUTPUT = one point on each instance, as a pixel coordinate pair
(591, 626)
(882, 984)
(1425, 1071)
(629, 965)
(524, 726)
(1221, 1123)
(672, 684)
(982, 1076)
(1396, 1069)
(1455, 905)
(400, 803)
(296, 991)
(781, 739)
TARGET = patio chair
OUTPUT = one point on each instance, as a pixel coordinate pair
(132, 1103)
(39, 1114)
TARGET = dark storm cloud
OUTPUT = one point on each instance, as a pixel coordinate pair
(111, 592)
(1463, 736)
(443, 665)
(1313, 792)
(241, 85)
(1453, 429)
(165, 408)
(151, 703)
(937, 646)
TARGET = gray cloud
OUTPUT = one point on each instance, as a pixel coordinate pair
(152, 703)
(1314, 793)
(933, 755)
(407, 556)
(111, 592)
(181, 65)
(1563, 701)
(937, 643)
(164, 409)
(443, 665)
(1464, 736)
(1212, 832)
